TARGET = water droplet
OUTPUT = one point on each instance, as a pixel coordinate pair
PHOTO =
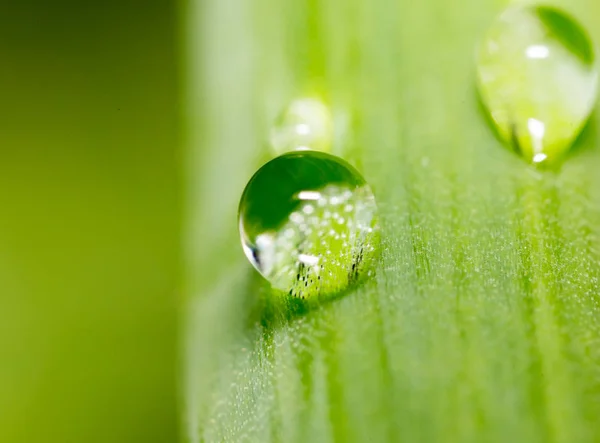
(289, 249)
(305, 124)
(308, 209)
(538, 78)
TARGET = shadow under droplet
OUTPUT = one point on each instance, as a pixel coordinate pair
(271, 309)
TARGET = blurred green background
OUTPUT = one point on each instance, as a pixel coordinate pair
(89, 221)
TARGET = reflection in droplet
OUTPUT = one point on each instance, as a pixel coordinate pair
(305, 124)
(292, 228)
(538, 78)
(309, 195)
(537, 51)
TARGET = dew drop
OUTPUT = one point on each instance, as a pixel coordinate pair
(306, 124)
(538, 79)
(308, 209)
(289, 249)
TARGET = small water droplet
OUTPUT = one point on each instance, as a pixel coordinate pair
(304, 125)
(287, 247)
(538, 78)
(308, 209)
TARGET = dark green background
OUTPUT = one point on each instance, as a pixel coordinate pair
(89, 221)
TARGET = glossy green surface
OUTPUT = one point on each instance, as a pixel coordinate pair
(482, 322)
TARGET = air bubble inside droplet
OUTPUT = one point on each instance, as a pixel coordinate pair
(288, 246)
(538, 79)
(306, 124)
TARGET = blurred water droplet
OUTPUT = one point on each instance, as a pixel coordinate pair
(304, 125)
(286, 246)
(538, 78)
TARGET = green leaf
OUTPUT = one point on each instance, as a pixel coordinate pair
(482, 323)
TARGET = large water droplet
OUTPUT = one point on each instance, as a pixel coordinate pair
(305, 124)
(308, 223)
(538, 79)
